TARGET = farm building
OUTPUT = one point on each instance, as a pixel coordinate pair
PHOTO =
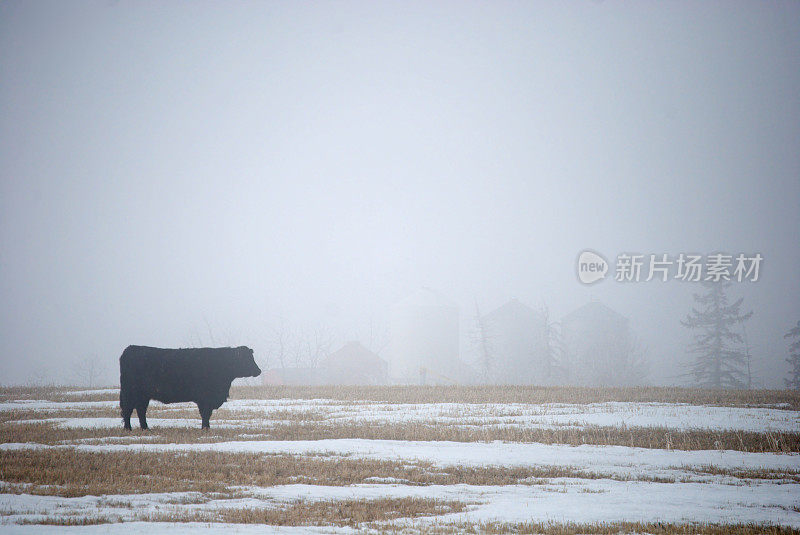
(516, 345)
(423, 344)
(597, 345)
(354, 364)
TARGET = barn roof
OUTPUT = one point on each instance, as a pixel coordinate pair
(353, 353)
(592, 310)
(513, 309)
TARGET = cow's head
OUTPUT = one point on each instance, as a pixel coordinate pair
(245, 363)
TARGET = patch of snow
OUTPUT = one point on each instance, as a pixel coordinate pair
(44, 405)
(560, 500)
(110, 423)
(581, 500)
(615, 460)
(136, 528)
(91, 392)
(548, 415)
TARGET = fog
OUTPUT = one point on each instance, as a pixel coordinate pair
(185, 174)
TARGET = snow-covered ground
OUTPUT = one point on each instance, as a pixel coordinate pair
(109, 423)
(94, 392)
(45, 406)
(548, 415)
(561, 500)
(620, 461)
(189, 528)
(612, 483)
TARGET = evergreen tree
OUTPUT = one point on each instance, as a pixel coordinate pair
(793, 382)
(721, 359)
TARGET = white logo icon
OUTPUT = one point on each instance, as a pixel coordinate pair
(591, 267)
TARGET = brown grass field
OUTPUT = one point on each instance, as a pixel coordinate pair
(58, 469)
(466, 394)
(639, 437)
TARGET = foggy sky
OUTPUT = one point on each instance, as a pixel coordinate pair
(178, 174)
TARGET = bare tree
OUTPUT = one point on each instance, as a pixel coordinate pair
(210, 332)
(296, 347)
(280, 344)
(39, 377)
(227, 338)
(299, 347)
(317, 343)
(88, 370)
(793, 381)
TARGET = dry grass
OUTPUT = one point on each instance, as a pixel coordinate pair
(602, 528)
(70, 473)
(641, 437)
(48, 433)
(220, 475)
(372, 516)
(741, 473)
(524, 394)
(311, 425)
(33, 415)
(68, 520)
(343, 513)
(55, 393)
(158, 411)
(352, 513)
(462, 394)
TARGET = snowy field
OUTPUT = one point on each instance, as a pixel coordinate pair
(549, 415)
(363, 483)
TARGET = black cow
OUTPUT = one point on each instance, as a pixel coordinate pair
(202, 375)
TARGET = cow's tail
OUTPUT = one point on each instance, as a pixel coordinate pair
(125, 394)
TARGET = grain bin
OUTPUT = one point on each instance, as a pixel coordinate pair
(424, 339)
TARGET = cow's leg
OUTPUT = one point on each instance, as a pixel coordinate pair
(205, 414)
(141, 412)
(127, 410)
(126, 407)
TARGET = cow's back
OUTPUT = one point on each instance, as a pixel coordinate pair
(173, 375)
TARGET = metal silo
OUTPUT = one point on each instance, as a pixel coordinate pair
(424, 339)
